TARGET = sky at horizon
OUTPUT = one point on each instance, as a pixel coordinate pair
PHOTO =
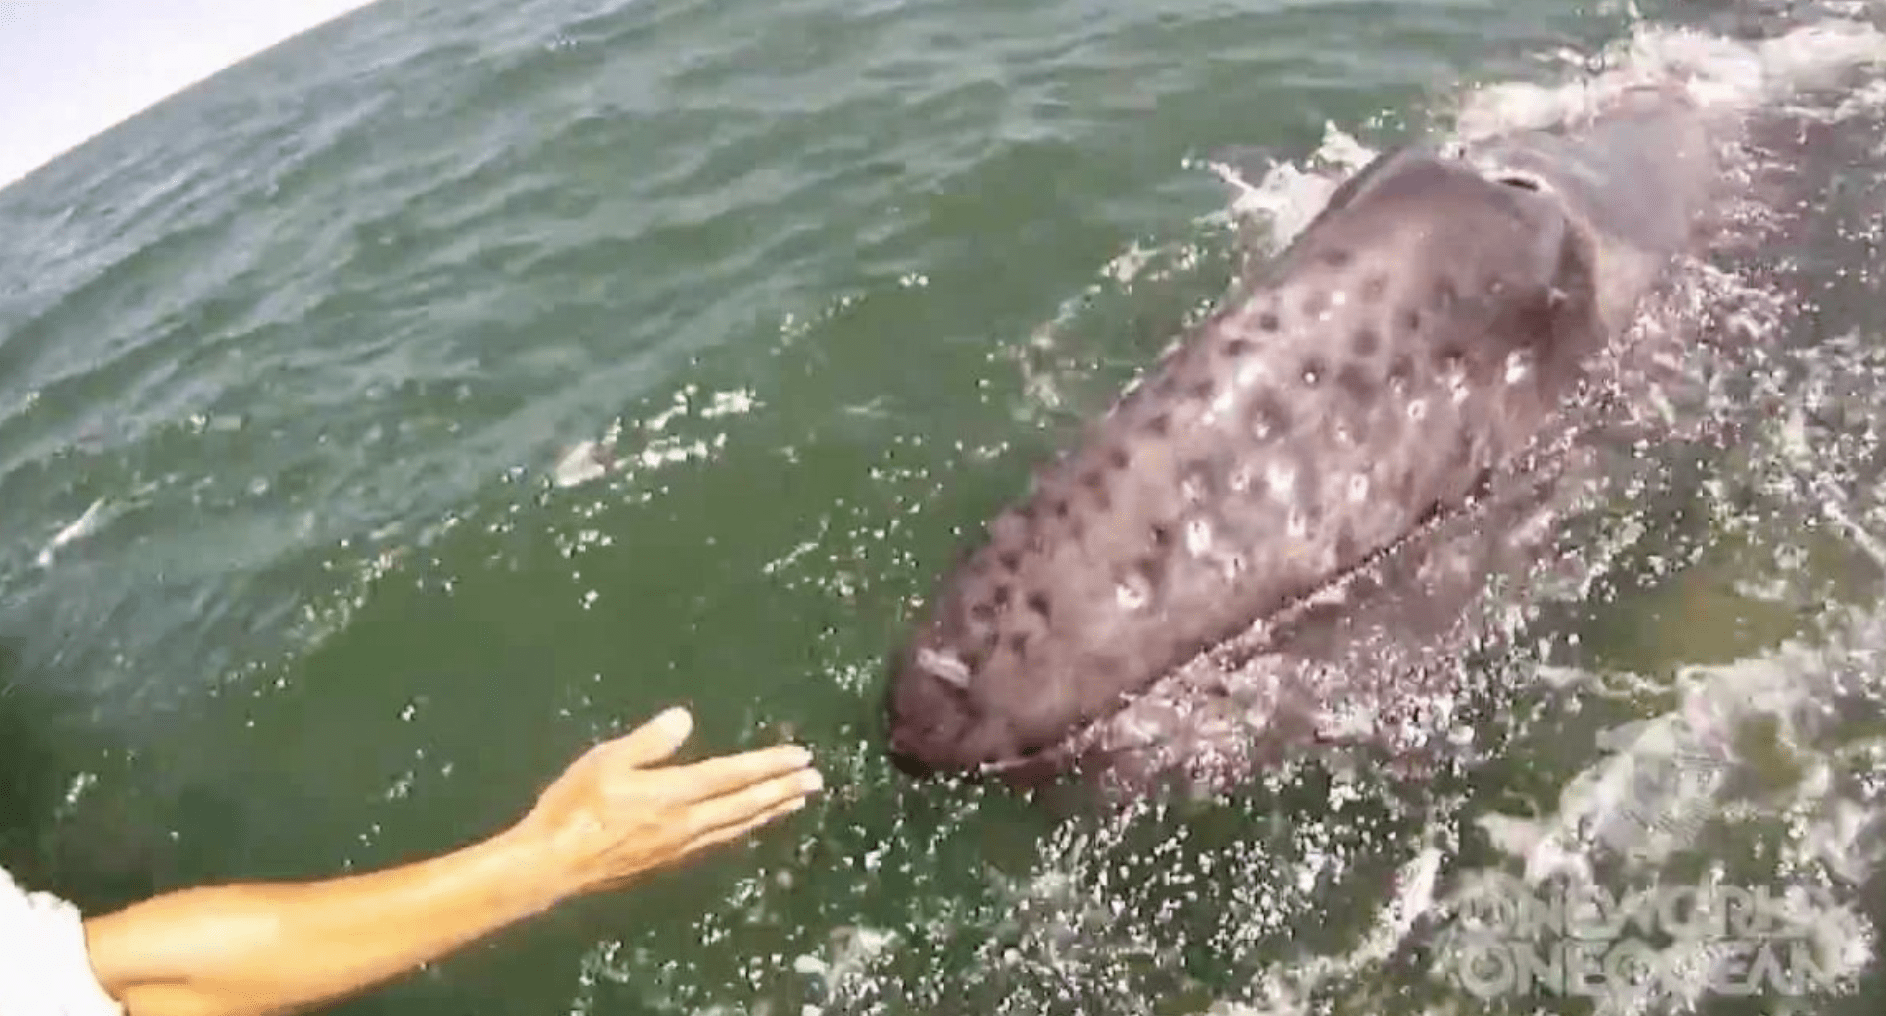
(72, 69)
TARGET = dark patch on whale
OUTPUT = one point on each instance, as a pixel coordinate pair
(1417, 335)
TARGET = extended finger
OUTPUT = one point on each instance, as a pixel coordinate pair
(714, 837)
(652, 741)
(741, 805)
(717, 776)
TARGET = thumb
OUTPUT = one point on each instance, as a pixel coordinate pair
(655, 740)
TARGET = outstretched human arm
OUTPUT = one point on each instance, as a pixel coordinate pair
(609, 819)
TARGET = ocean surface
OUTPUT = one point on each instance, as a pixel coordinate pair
(396, 413)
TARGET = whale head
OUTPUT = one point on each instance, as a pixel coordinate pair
(1417, 334)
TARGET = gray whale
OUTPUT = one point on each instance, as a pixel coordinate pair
(1416, 337)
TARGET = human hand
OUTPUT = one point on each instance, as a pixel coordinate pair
(612, 816)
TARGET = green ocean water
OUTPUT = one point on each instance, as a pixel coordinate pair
(288, 586)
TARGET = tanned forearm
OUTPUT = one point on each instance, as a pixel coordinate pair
(239, 950)
(611, 818)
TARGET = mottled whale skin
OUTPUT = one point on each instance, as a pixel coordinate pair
(1418, 334)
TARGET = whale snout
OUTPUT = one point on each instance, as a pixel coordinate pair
(908, 756)
(925, 721)
(938, 721)
(931, 720)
